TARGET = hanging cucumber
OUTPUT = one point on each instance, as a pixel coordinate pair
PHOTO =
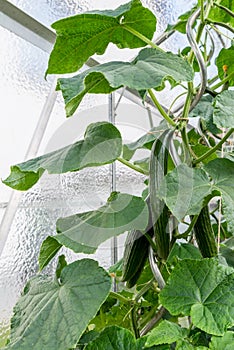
(204, 234)
(135, 254)
(159, 211)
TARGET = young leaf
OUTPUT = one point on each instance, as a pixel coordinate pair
(102, 144)
(81, 36)
(222, 172)
(49, 249)
(149, 70)
(165, 333)
(223, 111)
(184, 190)
(226, 342)
(84, 232)
(206, 294)
(52, 314)
(226, 59)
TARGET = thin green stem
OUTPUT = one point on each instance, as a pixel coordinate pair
(160, 313)
(151, 242)
(226, 79)
(174, 101)
(132, 166)
(220, 33)
(119, 297)
(142, 37)
(143, 290)
(134, 322)
(215, 148)
(230, 12)
(188, 101)
(187, 148)
(213, 80)
(221, 24)
(189, 229)
(160, 109)
(202, 11)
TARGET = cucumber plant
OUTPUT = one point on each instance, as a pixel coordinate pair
(175, 283)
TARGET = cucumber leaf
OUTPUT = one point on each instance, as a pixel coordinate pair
(53, 314)
(217, 14)
(226, 342)
(221, 171)
(102, 144)
(84, 232)
(149, 70)
(207, 296)
(226, 59)
(117, 338)
(223, 111)
(184, 190)
(83, 35)
(205, 110)
(165, 333)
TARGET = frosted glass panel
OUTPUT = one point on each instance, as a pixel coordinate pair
(23, 92)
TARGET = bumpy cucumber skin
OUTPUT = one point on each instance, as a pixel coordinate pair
(135, 256)
(204, 234)
(159, 211)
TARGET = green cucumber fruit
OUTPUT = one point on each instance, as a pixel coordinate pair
(135, 254)
(204, 234)
(159, 211)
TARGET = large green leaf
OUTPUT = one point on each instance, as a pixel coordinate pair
(165, 333)
(149, 70)
(226, 59)
(223, 111)
(221, 171)
(81, 36)
(102, 144)
(53, 314)
(117, 338)
(225, 342)
(184, 190)
(206, 294)
(84, 232)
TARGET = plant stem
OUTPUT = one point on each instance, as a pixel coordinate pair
(189, 229)
(221, 24)
(134, 322)
(143, 290)
(202, 11)
(132, 166)
(161, 312)
(151, 242)
(231, 13)
(187, 149)
(215, 148)
(227, 78)
(119, 297)
(142, 37)
(160, 109)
